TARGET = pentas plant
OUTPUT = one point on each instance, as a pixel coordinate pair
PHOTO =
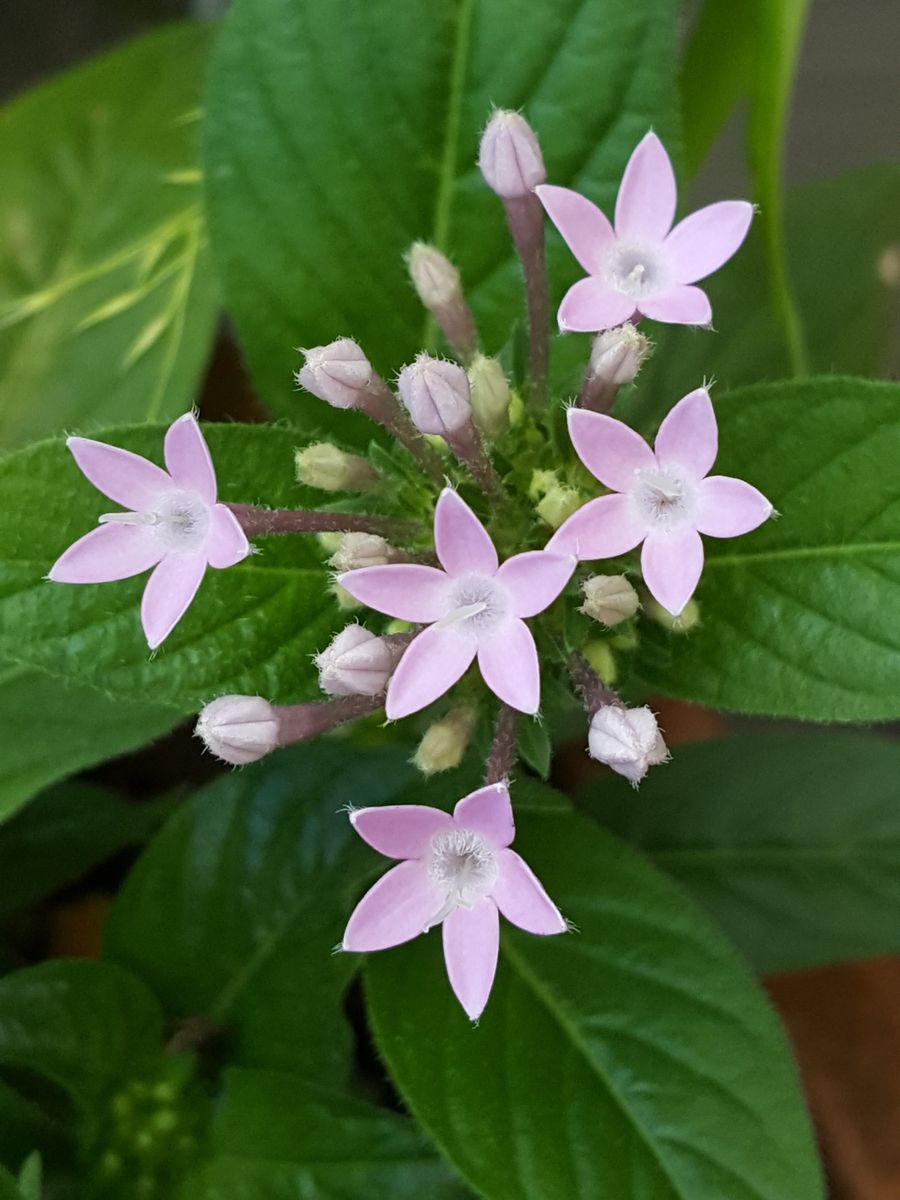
(462, 551)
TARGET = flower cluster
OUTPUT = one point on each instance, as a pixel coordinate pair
(513, 516)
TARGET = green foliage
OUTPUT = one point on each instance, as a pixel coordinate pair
(336, 134)
(799, 618)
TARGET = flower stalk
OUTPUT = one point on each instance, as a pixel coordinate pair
(256, 521)
(503, 753)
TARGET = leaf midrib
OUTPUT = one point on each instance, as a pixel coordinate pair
(837, 550)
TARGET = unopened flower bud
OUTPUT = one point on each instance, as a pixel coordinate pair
(357, 663)
(331, 469)
(683, 623)
(238, 729)
(510, 158)
(356, 550)
(436, 393)
(337, 373)
(445, 742)
(434, 276)
(626, 739)
(617, 354)
(558, 504)
(609, 599)
(600, 656)
(490, 395)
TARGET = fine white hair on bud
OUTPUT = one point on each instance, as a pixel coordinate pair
(510, 157)
(357, 550)
(356, 663)
(238, 729)
(609, 599)
(336, 373)
(490, 395)
(434, 276)
(436, 395)
(626, 739)
(617, 354)
(331, 469)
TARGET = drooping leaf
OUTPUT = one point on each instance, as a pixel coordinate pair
(635, 1057)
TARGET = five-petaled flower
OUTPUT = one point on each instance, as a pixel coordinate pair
(173, 524)
(457, 871)
(664, 499)
(643, 265)
(472, 607)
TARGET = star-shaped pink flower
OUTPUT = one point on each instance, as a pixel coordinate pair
(173, 524)
(471, 607)
(664, 499)
(643, 265)
(457, 871)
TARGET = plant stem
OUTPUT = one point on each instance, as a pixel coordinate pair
(255, 521)
(525, 217)
(503, 754)
(593, 691)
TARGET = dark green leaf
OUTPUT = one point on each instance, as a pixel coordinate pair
(31, 1178)
(23, 1125)
(9, 1189)
(535, 746)
(633, 1058)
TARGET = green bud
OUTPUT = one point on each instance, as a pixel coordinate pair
(445, 743)
(345, 602)
(602, 659)
(683, 623)
(331, 469)
(558, 505)
(609, 599)
(489, 395)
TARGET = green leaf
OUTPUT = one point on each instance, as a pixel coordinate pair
(107, 298)
(276, 1138)
(234, 911)
(252, 628)
(799, 618)
(83, 726)
(9, 1188)
(634, 1058)
(31, 1177)
(336, 134)
(535, 746)
(791, 841)
(24, 1125)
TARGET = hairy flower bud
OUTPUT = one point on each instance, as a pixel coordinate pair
(626, 739)
(490, 395)
(434, 276)
(238, 729)
(331, 469)
(357, 663)
(617, 354)
(445, 742)
(609, 599)
(509, 157)
(337, 373)
(356, 550)
(436, 393)
(558, 504)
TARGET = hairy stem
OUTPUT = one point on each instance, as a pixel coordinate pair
(593, 691)
(468, 447)
(526, 224)
(381, 405)
(503, 754)
(255, 521)
(303, 722)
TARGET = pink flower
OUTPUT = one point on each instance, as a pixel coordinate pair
(472, 607)
(457, 871)
(643, 265)
(664, 499)
(173, 524)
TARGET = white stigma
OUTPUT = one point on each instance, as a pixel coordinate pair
(476, 605)
(664, 498)
(462, 865)
(636, 269)
(180, 520)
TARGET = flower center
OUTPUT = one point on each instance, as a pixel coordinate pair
(476, 605)
(462, 865)
(635, 269)
(180, 520)
(665, 499)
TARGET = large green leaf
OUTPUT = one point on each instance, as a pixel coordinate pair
(234, 911)
(799, 618)
(338, 133)
(791, 841)
(107, 299)
(635, 1057)
(251, 629)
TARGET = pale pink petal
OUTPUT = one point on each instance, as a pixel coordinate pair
(471, 946)
(534, 580)
(586, 230)
(431, 664)
(645, 206)
(671, 564)
(130, 480)
(521, 898)
(488, 812)
(706, 239)
(106, 553)
(400, 830)
(610, 450)
(680, 305)
(728, 507)
(226, 543)
(408, 591)
(187, 458)
(396, 909)
(462, 542)
(589, 306)
(168, 594)
(602, 528)
(509, 666)
(689, 436)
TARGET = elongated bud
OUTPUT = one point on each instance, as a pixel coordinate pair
(445, 742)
(626, 739)
(357, 663)
(490, 395)
(436, 395)
(558, 504)
(616, 357)
(439, 287)
(331, 469)
(337, 373)
(609, 599)
(238, 729)
(356, 550)
(510, 158)
(599, 655)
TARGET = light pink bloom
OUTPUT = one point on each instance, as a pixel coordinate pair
(457, 871)
(643, 265)
(174, 524)
(471, 607)
(664, 499)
